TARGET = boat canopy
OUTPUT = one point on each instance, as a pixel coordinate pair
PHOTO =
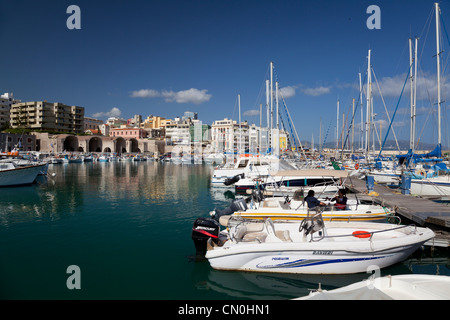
(311, 173)
(413, 157)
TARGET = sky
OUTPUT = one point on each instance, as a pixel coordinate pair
(170, 56)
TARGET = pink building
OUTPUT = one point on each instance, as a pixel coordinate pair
(128, 133)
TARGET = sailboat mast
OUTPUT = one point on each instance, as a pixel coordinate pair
(362, 112)
(337, 127)
(415, 95)
(438, 72)
(411, 78)
(240, 131)
(369, 112)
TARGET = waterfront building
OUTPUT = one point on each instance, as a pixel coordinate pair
(115, 122)
(6, 101)
(178, 132)
(228, 136)
(135, 121)
(47, 116)
(10, 141)
(104, 129)
(92, 124)
(128, 133)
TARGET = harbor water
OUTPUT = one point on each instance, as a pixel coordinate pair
(127, 226)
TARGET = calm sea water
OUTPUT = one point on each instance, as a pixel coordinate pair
(127, 226)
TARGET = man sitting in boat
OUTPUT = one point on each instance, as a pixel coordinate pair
(312, 201)
(341, 200)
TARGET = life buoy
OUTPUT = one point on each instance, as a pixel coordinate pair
(361, 234)
(357, 166)
(421, 172)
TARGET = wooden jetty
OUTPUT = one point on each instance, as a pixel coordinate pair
(421, 211)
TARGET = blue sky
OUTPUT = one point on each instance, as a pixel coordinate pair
(167, 57)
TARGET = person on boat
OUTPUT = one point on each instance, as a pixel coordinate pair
(312, 201)
(341, 200)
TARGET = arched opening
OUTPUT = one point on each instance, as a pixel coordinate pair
(71, 144)
(108, 150)
(121, 146)
(80, 149)
(134, 145)
(95, 145)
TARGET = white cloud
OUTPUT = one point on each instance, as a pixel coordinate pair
(192, 95)
(145, 93)
(315, 92)
(426, 87)
(287, 92)
(114, 112)
(251, 113)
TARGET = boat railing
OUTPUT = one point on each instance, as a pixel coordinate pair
(369, 234)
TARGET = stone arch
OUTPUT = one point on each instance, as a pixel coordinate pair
(134, 144)
(108, 150)
(71, 144)
(121, 145)
(95, 145)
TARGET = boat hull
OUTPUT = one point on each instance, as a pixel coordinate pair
(20, 176)
(320, 261)
(340, 248)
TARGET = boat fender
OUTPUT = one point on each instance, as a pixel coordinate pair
(362, 234)
(357, 166)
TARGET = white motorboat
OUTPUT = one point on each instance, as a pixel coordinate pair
(11, 175)
(434, 186)
(281, 208)
(247, 167)
(312, 246)
(293, 178)
(399, 287)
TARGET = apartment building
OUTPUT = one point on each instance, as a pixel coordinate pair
(6, 101)
(92, 124)
(47, 116)
(228, 136)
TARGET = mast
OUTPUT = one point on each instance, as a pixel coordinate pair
(438, 72)
(271, 100)
(362, 113)
(337, 127)
(415, 92)
(277, 133)
(369, 111)
(240, 131)
(353, 123)
(411, 77)
(413, 82)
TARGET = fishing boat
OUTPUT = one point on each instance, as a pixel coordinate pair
(312, 246)
(11, 175)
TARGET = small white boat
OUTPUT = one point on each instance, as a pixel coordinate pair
(103, 159)
(11, 175)
(312, 246)
(435, 186)
(400, 287)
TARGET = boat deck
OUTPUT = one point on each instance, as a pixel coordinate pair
(421, 211)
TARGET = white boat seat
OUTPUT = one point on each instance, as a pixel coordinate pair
(283, 235)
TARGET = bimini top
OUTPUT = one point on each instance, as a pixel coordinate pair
(311, 173)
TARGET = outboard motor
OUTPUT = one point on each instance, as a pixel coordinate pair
(203, 229)
(236, 205)
(236, 178)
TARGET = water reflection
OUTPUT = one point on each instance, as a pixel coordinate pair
(118, 187)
